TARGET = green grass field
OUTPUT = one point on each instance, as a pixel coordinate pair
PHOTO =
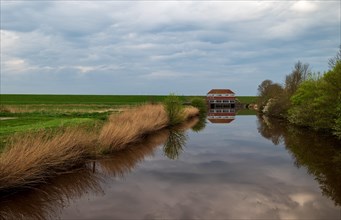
(6, 99)
(11, 123)
(247, 99)
(78, 99)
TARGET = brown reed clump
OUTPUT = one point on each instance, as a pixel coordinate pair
(131, 125)
(31, 159)
(190, 112)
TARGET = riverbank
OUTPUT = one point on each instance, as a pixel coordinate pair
(31, 159)
(307, 99)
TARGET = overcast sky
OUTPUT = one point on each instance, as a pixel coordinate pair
(160, 47)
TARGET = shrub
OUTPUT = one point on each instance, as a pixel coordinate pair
(174, 109)
(200, 104)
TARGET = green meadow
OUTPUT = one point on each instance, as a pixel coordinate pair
(79, 99)
(247, 99)
(11, 99)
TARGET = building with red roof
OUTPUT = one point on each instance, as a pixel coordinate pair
(221, 98)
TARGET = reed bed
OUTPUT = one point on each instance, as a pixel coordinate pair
(32, 159)
(131, 125)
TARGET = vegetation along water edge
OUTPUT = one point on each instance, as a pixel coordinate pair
(306, 99)
(32, 158)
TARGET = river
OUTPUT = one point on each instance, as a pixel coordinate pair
(243, 168)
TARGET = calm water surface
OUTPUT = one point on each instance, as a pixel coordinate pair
(246, 169)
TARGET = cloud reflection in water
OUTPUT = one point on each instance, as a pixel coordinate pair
(219, 175)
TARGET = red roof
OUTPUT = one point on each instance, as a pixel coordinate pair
(220, 91)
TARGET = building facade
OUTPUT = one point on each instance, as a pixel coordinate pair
(220, 98)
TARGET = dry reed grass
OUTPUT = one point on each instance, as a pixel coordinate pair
(31, 159)
(131, 125)
(190, 112)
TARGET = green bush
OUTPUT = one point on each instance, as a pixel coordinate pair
(200, 103)
(337, 127)
(174, 109)
(316, 103)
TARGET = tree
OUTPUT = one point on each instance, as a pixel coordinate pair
(263, 87)
(302, 111)
(316, 103)
(297, 76)
(332, 61)
(268, 90)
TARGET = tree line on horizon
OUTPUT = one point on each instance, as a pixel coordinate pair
(306, 98)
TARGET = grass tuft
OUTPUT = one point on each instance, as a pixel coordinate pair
(174, 109)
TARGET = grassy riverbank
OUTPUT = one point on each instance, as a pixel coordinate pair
(32, 158)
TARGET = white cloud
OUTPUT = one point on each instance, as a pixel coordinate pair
(85, 69)
(15, 66)
(304, 6)
(302, 198)
(8, 39)
(164, 74)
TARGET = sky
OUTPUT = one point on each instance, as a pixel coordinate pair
(161, 47)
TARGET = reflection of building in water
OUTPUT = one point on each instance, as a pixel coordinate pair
(221, 115)
(221, 98)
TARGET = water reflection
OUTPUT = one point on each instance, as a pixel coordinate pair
(174, 144)
(48, 200)
(221, 115)
(177, 138)
(320, 154)
(225, 172)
